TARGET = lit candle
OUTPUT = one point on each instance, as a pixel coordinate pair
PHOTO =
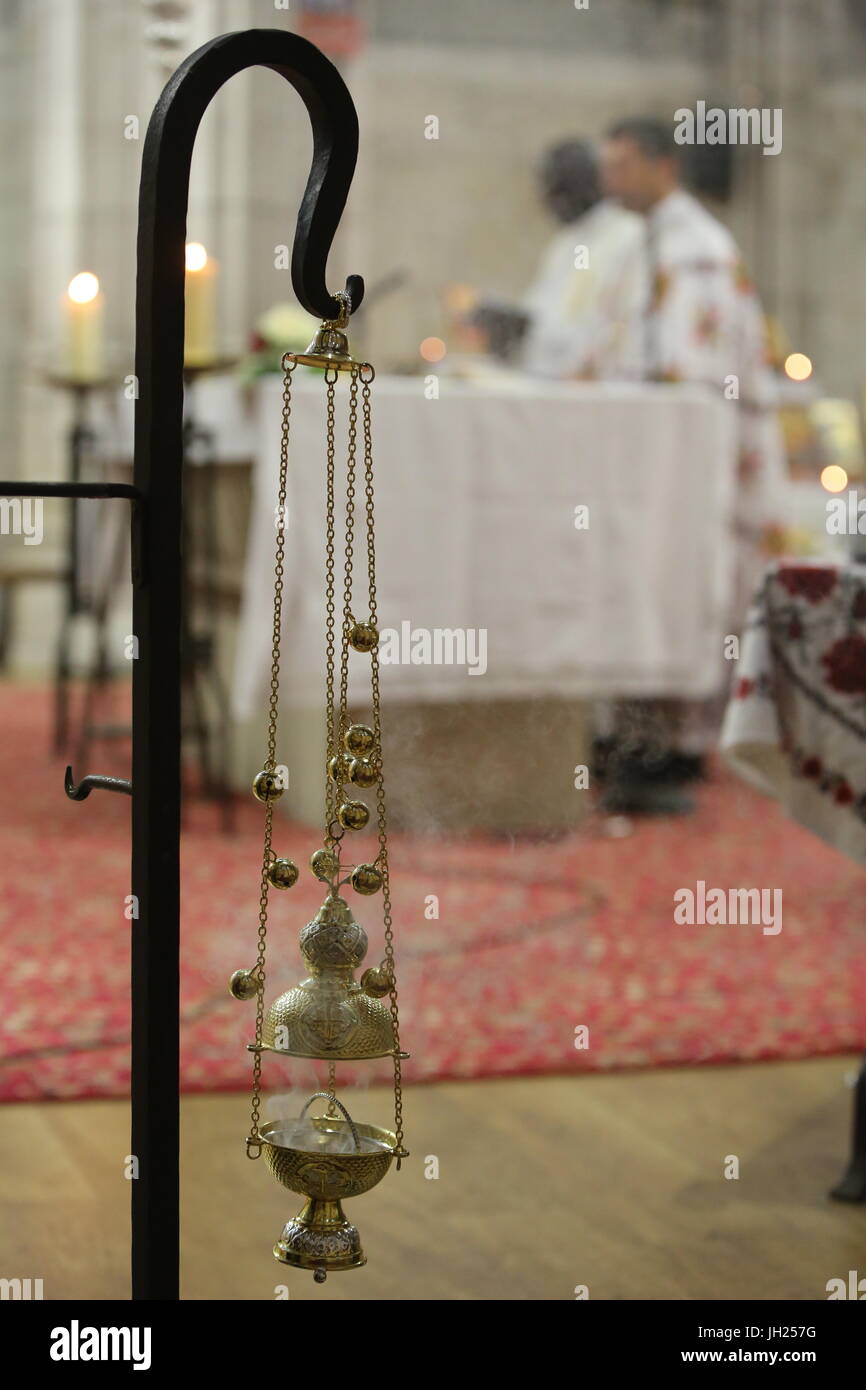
(84, 307)
(200, 329)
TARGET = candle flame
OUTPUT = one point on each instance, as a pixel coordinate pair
(196, 256)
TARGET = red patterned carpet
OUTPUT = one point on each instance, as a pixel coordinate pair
(532, 940)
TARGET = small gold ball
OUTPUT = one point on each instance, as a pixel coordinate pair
(366, 879)
(353, 815)
(282, 873)
(363, 773)
(243, 985)
(267, 786)
(340, 767)
(363, 637)
(376, 982)
(358, 740)
(324, 863)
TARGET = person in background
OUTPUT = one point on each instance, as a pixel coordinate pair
(701, 318)
(573, 321)
(581, 302)
(700, 321)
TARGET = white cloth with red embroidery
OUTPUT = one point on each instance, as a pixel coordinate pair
(701, 321)
(795, 725)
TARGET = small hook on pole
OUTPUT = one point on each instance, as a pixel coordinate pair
(89, 784)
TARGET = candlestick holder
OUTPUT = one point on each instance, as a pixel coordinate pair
(81, 440)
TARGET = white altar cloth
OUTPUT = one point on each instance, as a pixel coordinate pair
(476, 497)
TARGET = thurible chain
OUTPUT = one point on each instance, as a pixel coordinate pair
(270, 762)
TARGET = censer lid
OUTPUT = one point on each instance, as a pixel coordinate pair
(329, 1015)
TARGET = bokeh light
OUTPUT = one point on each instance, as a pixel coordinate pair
(798, 366)
(196, 256)
(432, 349)
(834, 478)
(83, 288)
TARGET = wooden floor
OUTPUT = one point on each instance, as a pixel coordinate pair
(615, 1182)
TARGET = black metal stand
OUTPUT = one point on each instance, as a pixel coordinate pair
(157, 528)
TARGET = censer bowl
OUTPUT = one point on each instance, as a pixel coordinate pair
(325, 1159)
(315, 1172)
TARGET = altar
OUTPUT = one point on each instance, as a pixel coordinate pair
(576, 534)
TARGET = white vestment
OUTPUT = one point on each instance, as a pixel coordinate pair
(702, 322)
(584, 296)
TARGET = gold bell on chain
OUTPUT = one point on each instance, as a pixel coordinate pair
(329, 1015)
(330, 346)
(359, 741)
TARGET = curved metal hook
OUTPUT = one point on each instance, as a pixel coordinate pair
(174, 123)
(89, 784)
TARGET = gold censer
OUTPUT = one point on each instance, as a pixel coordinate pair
(330, 1015)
